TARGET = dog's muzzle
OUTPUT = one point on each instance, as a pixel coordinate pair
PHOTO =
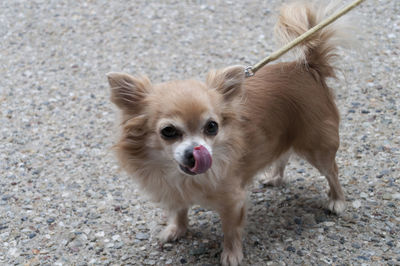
(196, 160)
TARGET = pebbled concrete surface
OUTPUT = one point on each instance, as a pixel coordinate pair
(63, 200)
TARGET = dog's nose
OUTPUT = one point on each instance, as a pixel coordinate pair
(188, 158)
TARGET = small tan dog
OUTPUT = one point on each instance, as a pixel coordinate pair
(188, 142)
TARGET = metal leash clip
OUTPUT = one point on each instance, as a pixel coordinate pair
(248, 71)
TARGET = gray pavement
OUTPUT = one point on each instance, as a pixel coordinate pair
(63, 198)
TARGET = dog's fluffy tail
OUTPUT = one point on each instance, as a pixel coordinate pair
(318, 51)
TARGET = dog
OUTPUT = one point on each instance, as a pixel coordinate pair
(189, 142)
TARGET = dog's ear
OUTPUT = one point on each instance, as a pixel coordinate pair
(227, 81)
(128, 92)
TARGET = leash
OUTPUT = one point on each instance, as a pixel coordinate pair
(251, 70)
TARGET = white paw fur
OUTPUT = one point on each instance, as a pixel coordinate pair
(172, 233)
(231, 258)
(275, 181)
(336, 206)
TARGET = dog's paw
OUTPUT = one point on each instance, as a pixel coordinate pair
(172, 233)
(231, 258)
(275, 182)
(272, 178)
(336, 206)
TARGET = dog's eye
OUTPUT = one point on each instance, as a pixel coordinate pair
(169, 132)
(211, 128)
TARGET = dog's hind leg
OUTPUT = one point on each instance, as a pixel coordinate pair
(276, 177)
(324, 161)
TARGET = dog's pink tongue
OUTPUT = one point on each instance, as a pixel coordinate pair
(202, 159)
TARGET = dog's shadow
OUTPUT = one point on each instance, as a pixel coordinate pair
(276, 216)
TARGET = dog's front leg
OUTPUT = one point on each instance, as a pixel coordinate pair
(233, 216)
(176, 227)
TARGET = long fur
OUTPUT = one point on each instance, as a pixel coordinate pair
(286, 107)
(319, 51)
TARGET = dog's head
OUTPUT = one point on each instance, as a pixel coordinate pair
(181, 124)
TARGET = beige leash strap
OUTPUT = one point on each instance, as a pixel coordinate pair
(251, 70)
